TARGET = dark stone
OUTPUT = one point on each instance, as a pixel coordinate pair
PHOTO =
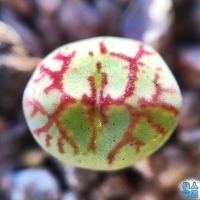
(188, 66)
(79, 20)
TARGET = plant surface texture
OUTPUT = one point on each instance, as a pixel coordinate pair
(102, 103)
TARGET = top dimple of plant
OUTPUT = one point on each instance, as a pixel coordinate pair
(102, 103)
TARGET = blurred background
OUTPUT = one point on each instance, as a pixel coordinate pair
(30, 29)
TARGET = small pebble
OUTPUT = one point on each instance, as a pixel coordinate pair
(32, 158)
(32, 184)
(21, 8)
(193, 151)
(116, 186)
(6, 183)
(79, 20)
(15, 65)
(190, 117)
(49, 30)
(148, 21)
(47, 8)
(147, 193)
(184, 27)
(97, 194)
(109, 14)
(12, 140)
(70, 196)
(80, 180)
(170, 167)
(195, 16)
(188, 66)
(144, 167)
(30, 38)
(189, 136)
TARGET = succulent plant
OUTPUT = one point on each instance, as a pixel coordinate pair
(102, 103)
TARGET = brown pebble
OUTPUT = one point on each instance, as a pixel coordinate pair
(109, 13)
(16, 67)
(31, 40)
(144, 167)
(12, 140)
(49, 30)
(35, 183)
(79, 20)
(189, 136)
(170, 166)
(150, 22)
(188, 66)
(32, 158)
(147, 192)
(190, 111)
(47, 8)
(80, 180)
(116, 186)
(22, 7)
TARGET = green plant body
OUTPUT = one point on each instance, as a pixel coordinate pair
(102, 103)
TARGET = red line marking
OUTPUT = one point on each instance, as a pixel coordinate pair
(57, 83)
(102, 102)
(48, 138)
(95, 107)
(102, 47)
(128, 138)
(91, 103)
(133, 65)
(37, 106)
(143, 103)
(155, 101)
(159, 89)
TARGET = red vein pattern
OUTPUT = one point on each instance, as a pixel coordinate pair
(97, 103)
(56, 84)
